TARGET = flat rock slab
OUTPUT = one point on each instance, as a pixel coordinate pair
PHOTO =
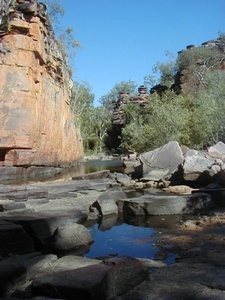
(181, 281)
(101, 280)
(166, 204)
(21, 193)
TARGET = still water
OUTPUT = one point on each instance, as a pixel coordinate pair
(90, 167)
(136, 237)
(114, 235)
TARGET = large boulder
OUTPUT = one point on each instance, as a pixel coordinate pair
(70, 237)
(200, 168)
(217, 150)
(161, 163)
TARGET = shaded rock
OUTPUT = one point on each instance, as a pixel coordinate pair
(10, 275)
(181, 281)
(35, 265)
(160, 163)
(124, 274)
(167, 204)
(71, 237)
(14, 239)
(85, 282)
(41, 226)
(217, 195)
(100, 280)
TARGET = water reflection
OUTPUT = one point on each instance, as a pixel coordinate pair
(100, 165)
(33, 174)
(136, 237)
(123, 239)
(91, 166)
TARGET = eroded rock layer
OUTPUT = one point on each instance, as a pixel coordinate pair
(36, 124)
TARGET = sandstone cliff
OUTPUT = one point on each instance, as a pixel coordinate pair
(36, 124)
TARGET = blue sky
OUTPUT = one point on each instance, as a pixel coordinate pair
(123, 39)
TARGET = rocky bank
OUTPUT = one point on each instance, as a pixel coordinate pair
(43, 233)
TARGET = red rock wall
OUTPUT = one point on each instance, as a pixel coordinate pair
(36, 124)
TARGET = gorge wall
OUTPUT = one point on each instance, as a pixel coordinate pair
(36, 123)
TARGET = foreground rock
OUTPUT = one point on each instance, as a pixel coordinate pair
(46, 275)
(40, 219)
(181, 281)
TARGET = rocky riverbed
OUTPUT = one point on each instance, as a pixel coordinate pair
(42, 223)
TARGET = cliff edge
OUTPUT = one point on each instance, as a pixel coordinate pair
(36, 122)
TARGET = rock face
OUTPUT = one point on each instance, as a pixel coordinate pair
(36, 124)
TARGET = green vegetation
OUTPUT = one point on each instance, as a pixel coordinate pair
(193, 117)
(127, 86)
(66, 41)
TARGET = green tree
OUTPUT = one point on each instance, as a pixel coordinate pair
(166, 72)
(94, 127)
(55, 10)
(162, 73)
(126, 86)
(82, 100)
(66, 41)
(164, 119)
(207, 116)
(196, 63)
